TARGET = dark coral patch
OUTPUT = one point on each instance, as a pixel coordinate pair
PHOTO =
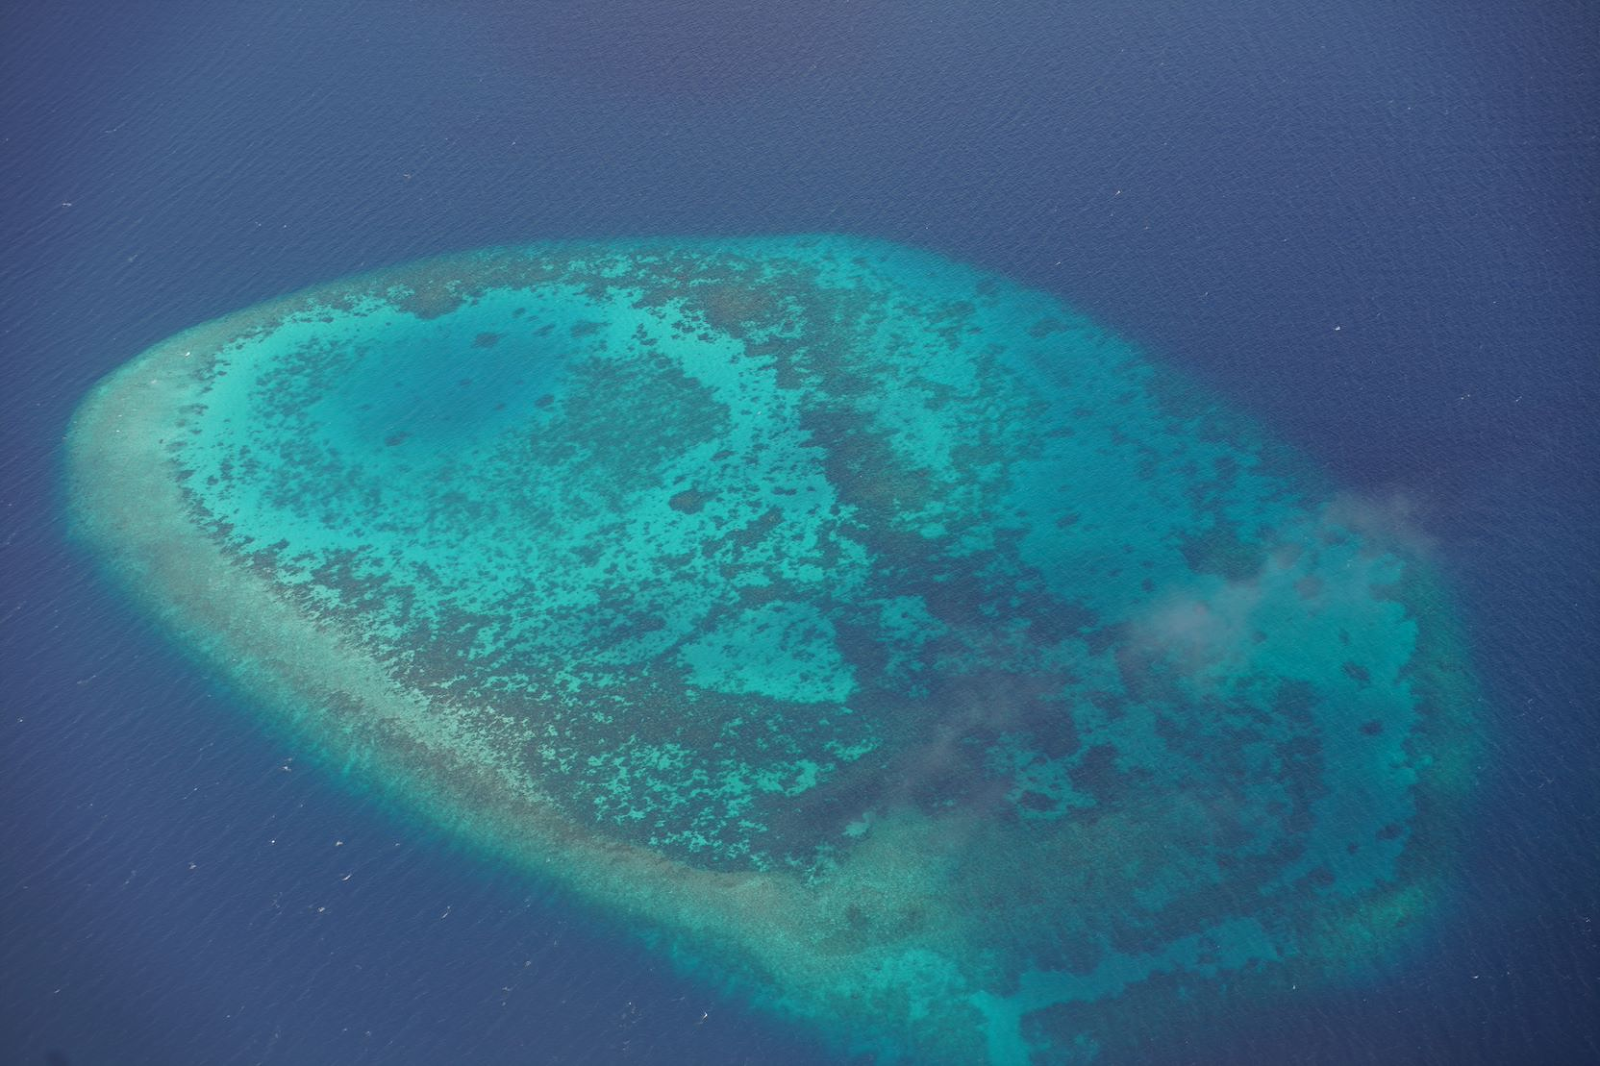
(689, 501)
(1036, 801)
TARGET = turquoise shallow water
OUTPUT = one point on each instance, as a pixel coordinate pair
(876, 636)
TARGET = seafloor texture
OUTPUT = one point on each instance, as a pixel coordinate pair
(882, 639)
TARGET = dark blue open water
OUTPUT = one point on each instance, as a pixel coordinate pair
(1372, 224)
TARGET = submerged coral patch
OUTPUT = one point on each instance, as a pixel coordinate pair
(887, 641)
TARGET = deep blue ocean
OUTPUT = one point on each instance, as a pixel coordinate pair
(1373, 225)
